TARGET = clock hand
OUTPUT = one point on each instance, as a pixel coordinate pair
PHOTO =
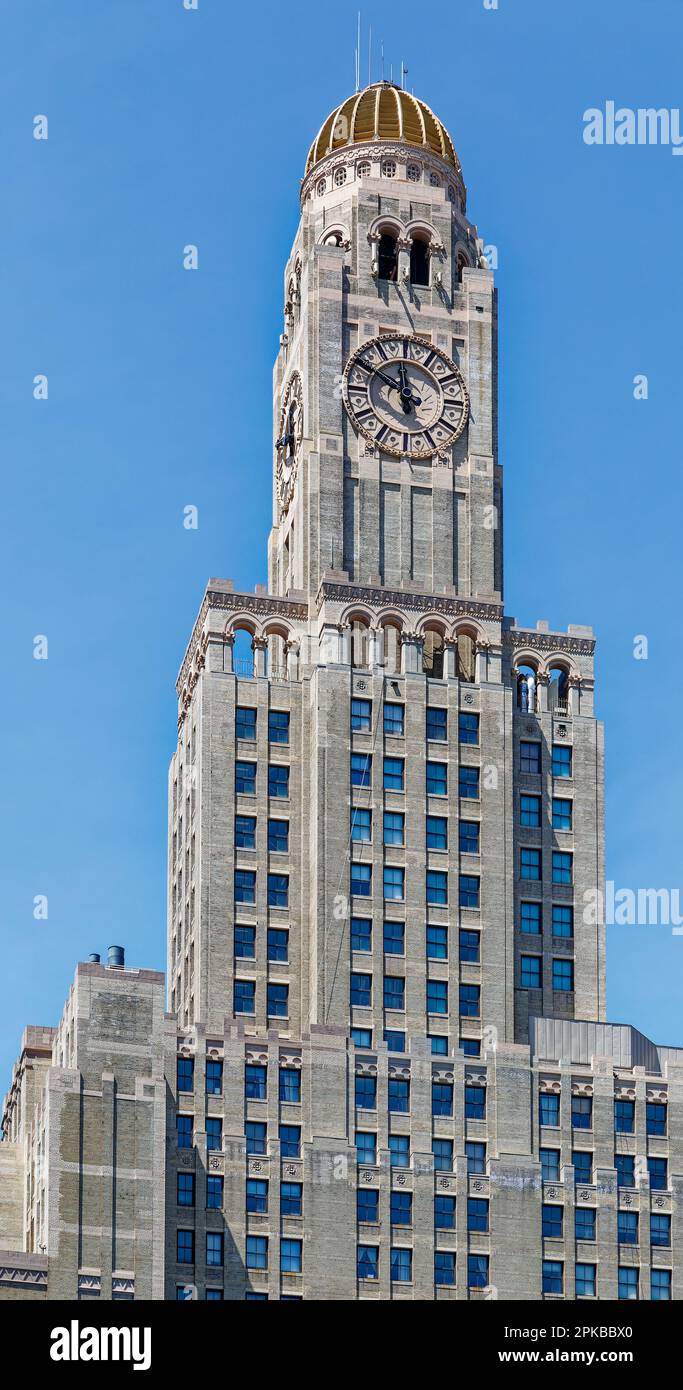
(390, 381)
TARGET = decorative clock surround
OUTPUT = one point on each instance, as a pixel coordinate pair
(405, 396)
(288, 443)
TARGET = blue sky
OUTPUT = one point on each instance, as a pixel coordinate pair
(169, 126)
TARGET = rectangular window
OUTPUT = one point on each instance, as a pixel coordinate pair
(655, 1117)
(549, 1109)
(257, 1252)
(401, 1208)
(214, 1133)
(185, 1247)
(469, 1001)
(366, 1147)
(530, 865)
(278, 1000)
(214, 1248)
(399, 1095)
(245, 943)
(469, 836)
(475, 1102)
(582, 1160)
(214, 1078)
(184, 1124)
(626, 1171)
(444, 1268)
(244, 1001)
(444, 1213)
(553, 1276)
(393, 774)
(185, 1073)
(530, 974)
(468, 727)
(255, 1134)
(361, 769)
(361, 990)
(361, 1037)
(437, 724)
(245, 779)
(584, 1223)
(476, 1156)
(438, 1044)
(657, 1168)
(245, 722)
(361, 716)
(437, 832)
(562, 866)
(470, 1046)
(530, 757)
(278, 726)
(437, 779)
(278, 836)
(245, 832)
(245, 886)
(394, 938)
(255, 1081)
(585, 1281)
(290, 1141)
(550, 1165)
(469, 942)
(530, 811)
(563, 975)
(628, 1281)
(627, 1227)
(552, 1219)
(468, 783)
(278, 780)
(394, 883)
(477, 1271)
(368, 1262)
(394, 828)
(530, 919)
(624, 1116)
(562, 760)
(562, 813)
(478, 1214)
(367, 1205)
(437, 943)
(660, 1285)
(361, 824)
(582, 1112)
(399, 1150)
(395, 1040)
(278, 944)
(437, 887)
(361, 880)
(442, 1150)
(257, 1195)
(401, 1265)
(563, 920)
(468, 891)
(361, 934)
(366, 1092)
(442, 1098)
(393, 719)
(185, 1190)
(290, 1256)
(394, 992)
(660, 1229)
(214, 1193)
(437, 996)
(278, 890)
(290, 1086)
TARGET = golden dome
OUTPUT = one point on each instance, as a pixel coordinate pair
(383, 112)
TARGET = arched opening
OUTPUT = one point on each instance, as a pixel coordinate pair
(387, 257)
(433, 654)
(465, 657)
(391, 654)
(526, 689)
(243, 652)
(558, 690)
(462, 263)
(419, 261)
(360, 645)
(333, 239)
(276, 660)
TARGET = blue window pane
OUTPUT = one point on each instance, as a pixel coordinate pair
(368, 1262)
(477, 1271)
(255, 1082)
(444, 1267)
(361, 824)
(184, 1128)
(585, 1223)
(660, 1285)
(469, 891)
(214, 1193)
(278, 890)
(393, 774)
(563, 975)
(401, 1208)
(655, 1117)
(214, 1248)
(478, 1214)
(393, 719)
(627, 1227)
(278, 726)
(562, 920)
(290, 1256)
(290, 1141)
(530, 811)
(468, 783)
(278, 944)
(443, 1154)
(437, 996)
(550, 1165)
(185, 1247)
(361, 716)
(361, 769)
(394, 938)
(657, 1168)
(439, 1045)
(626, 1170)
(395, 1040)
(245, 832)
(367, 1204)
(585, 1280)
(257, 1252)
(475, 1102)
(442, 1098)
(361, 1037)
(399, 1095)
(530, 972)
(562, 760)
(245, 943)
(214, 1133)
(290, 1086)
(366, 1092)
(401, 1265)
(468, 727)
(394, 992)
(361, 990)
(245, 722)
(475, 1153)
(366, 1147)
(562, 813)
(553, 1276)
(562, 866)
(437, 943)
(278, 1000)
(471, 1047)
(185, 1190)
(278, 836)
(469, 1001)
(552, 1221)
(185, 1072)
(394, 884)
(530, 918)
(278, 780)
(245, 779)
(549, 1109)
(399, 1150)
(437, 779)
(214, 1078)
(628, 1281)
(437, 832)
(437, 724)
(582, 1160)
(529, 757)
(624, 1116)
(361, 880)
(245, 996)
(444, 1213)
(394, 828)
(469, 836)
(245, 886)
(437, 887)
(361, 934)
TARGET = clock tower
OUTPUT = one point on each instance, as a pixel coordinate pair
(386, 465)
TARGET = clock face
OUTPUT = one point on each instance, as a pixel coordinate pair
(289, 442)
(405, 396)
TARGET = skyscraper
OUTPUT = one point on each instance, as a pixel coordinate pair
(386, 1049)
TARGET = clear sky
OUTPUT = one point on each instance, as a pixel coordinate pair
(168, 127)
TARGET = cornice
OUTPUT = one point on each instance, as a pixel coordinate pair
(384, 149)
(518, 637)
(261, 605)
(332, 592)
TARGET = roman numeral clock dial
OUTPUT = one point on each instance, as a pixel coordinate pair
(405, 396)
